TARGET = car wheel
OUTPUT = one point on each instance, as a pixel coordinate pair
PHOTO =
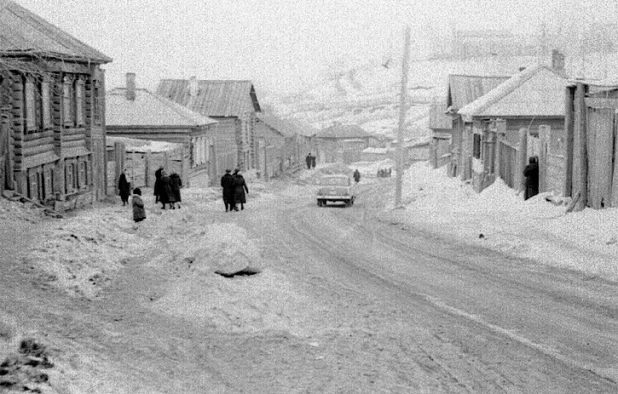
(320, 203)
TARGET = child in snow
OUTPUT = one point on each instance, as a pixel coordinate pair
(139, 213)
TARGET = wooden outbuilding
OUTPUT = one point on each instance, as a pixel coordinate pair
(52, 134)
(138, 113)
(462, 90)
(233, 104)
(343, 143)
(520, 118)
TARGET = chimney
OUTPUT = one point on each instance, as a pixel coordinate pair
(193, 86)
(130, 86)
(557, 61)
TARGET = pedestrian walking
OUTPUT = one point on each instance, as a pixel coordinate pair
(356, 176)
(157, 185)
(229, 189)
(309, 160)
(313, 161)
(531, 172)
(239, 191)
(124, 187)
(176, 184)
(166, 195)
(139, 213)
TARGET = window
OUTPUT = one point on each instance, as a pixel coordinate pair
(96, 103)
(48, 180)
(31, 123)
(79, 103)
(82, 175)
(476, 147)
(67, 109)
(46, 105)
(70, 177)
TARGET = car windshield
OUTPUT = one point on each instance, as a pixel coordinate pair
(335, 182)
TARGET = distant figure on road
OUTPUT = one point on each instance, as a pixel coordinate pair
(240, 189)
(124, 187)
(139, 213)
(176, 184)
(157, 185)
(229, 189)
(356, 176)
(531, 172)
(309, 160)
(313, 161)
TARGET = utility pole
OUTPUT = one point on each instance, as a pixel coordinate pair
(402, 117)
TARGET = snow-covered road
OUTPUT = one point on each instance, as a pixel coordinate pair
(348, 300)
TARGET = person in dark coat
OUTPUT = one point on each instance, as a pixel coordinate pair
(308, 159)
(176, 184)
(229, 189)
(313, 161)
(531, 172)
(240, 189)
(356, 176)
(157, 185)
(139, 213)
(166, 195)
(124, 188)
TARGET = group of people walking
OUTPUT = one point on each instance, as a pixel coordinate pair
(235, 190)
(167, 189)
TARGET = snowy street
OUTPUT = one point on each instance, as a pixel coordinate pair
(348, 300)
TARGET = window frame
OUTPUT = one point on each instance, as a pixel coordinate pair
(67, 104)
(30, 107)
(78, 97)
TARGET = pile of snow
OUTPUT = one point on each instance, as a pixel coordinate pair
(500, 219)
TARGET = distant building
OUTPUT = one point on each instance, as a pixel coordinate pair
(138, 113)
(233, 104)
(52, 129)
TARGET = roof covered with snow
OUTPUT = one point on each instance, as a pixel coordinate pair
(23, 32)
(217, 98)
(139, 145)
(463, 89)
(149, 109)
(535, 91)
(282, 126)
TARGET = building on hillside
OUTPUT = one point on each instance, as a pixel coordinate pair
(233, 104)
(468, 44)
(341, 143)
(522, 117)
(138, 113)
(463, 89)
(52, 131)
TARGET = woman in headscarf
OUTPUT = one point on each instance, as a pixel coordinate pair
(240, 189)
(124, 187)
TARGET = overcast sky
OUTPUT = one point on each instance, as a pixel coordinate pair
(281, 44)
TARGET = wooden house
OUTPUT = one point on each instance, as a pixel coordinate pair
(277, 147)
(233, 104)
(463, 89)
(52, 134)
(342, 143)
(138, 113)
(522, 117)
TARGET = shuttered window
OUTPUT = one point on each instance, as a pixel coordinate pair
(30, 107)
(67, 108)
(46, 105)
(79, 103)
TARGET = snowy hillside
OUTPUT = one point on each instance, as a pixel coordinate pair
(368, 94)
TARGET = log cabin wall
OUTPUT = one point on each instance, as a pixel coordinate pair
(53, 136)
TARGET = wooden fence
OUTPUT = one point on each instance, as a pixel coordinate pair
(508, 163)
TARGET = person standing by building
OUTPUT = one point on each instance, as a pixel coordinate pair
(229, 189)
(309, 160)
(124, 187)
(240, 189)
(313, 158)
(139, 213)
(356, 176)
(157, 185)
(176, 184)
(531, 172)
